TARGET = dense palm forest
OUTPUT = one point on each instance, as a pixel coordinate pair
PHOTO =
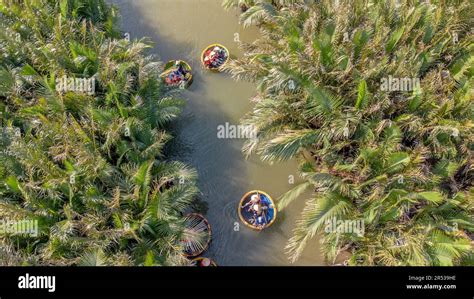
(84, 126)
(399, 159)
(373, 98)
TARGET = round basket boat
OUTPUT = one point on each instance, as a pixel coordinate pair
(198, 261)
(197, 235)
(177, 73)
(248, 216)
(221, 53)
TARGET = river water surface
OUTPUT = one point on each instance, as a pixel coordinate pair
(181, 29)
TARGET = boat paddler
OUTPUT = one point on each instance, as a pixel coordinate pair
(213, 57)
(209, 57)
(180, 70)
(253, 202)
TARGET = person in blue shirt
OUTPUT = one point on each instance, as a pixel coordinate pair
(260, 206)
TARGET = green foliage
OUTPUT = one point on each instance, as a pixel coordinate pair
(401, 161)
(89, 167)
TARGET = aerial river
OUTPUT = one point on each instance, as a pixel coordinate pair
(181, 29)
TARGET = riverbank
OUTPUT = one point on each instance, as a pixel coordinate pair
(180, 30)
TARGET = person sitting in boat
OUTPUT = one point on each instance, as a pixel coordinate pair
(258, 210)
(209, 58)
(180, 70)
(254, 199)
(217, 57)
(205, 262)
(214, 57)
(221, 55)
(260, 214)
(173, 78)
(261, 221)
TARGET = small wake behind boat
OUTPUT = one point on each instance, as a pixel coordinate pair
(214, 57)
(257, 210)
(177, 73)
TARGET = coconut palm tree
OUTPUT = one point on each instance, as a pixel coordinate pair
(400, 159)
(257, 12)
(87, 164)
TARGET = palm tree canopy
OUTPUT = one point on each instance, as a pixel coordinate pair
(396, 154)
(82, 152)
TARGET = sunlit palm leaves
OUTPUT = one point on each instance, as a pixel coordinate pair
(89, 167)
(398, 159)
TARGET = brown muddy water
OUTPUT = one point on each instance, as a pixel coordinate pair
(181, 29)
